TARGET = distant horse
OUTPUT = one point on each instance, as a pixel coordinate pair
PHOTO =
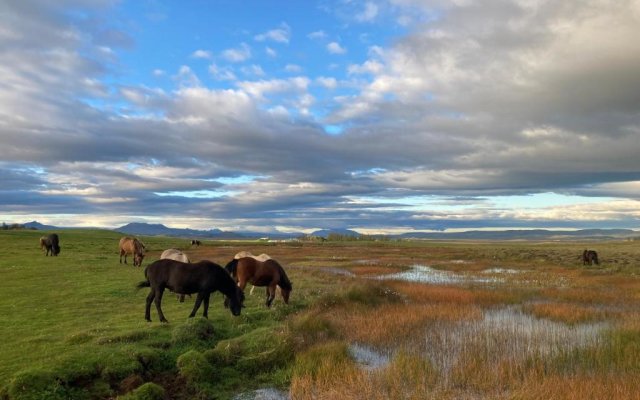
(261, 257)
(196, 243)
(177, 255)
(590, 257)
(204, 278)
(267, 273)
(133, 246)
(50, 244)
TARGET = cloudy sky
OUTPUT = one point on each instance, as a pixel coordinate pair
(378, 116)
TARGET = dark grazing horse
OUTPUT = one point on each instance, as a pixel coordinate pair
(267, 273)
(203, 278)
(590, 257)
(50, 244)
(195, 242)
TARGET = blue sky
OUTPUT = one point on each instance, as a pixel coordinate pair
(378, 116)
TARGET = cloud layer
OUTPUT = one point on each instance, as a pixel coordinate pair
(476, 99)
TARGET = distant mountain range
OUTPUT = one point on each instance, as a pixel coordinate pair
(139, 228)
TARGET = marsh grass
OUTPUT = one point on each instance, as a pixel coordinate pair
(73, 325)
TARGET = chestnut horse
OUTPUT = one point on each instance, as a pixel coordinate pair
(129, 245)
(204, 278)
(267, 273)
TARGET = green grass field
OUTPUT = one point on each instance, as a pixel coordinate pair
(73, 326)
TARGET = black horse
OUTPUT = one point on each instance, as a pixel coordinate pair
(203, 278)
(195, 242)
(590, 257)
(50, 244)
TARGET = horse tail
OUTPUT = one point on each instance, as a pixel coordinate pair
(285, 283)
(231, 266)
(143, 284)
(146, 282)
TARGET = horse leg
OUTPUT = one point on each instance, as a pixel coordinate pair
(271, 294)
(158, 301)
(147, 309)
(205, 313)
(197, 305)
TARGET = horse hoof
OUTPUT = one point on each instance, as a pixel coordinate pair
(164, 321)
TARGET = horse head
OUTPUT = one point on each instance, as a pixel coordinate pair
(235, 302)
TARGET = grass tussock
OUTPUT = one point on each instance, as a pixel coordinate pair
(341, 380)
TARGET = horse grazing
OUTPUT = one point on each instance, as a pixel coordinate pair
(129, 245)
(261, 257)
(589, 257)
(267, 273)
(50, 244)
(204, 278)
(177, 255)
(195, 242)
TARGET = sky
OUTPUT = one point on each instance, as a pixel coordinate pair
(378, 116)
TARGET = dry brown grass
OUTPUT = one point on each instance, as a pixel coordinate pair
(582, 387)
(422, 293)
(394, 324)
(568, 313)
(443, 342)
(386, 383)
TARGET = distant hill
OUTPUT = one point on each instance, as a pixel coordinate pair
(41, 227)
(139, 228)
(326, 232)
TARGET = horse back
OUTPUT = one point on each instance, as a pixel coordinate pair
(184, 278)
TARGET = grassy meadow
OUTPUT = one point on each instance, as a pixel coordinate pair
(511, 320)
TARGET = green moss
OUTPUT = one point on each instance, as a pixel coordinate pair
(257, 351)
(195, 368)
(193, 331)
(147, 391)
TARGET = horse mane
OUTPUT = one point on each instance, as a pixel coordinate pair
(285, 283)
(231, 266)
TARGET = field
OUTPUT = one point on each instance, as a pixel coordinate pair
(366, 320)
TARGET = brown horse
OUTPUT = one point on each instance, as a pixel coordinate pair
(590, 257)
(129, 245)
(267, 273)
(204, 278)
(50, 244)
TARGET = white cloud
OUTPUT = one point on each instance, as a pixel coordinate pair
(369, 13)
(317, 35)
(271, 52)
(280, 35)
(186, 76)
(368, 67)
(327, 82)
(202, 54)
(253, 70)
(293, 68)
(222, 73)
(238, 54)
(335, 48)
